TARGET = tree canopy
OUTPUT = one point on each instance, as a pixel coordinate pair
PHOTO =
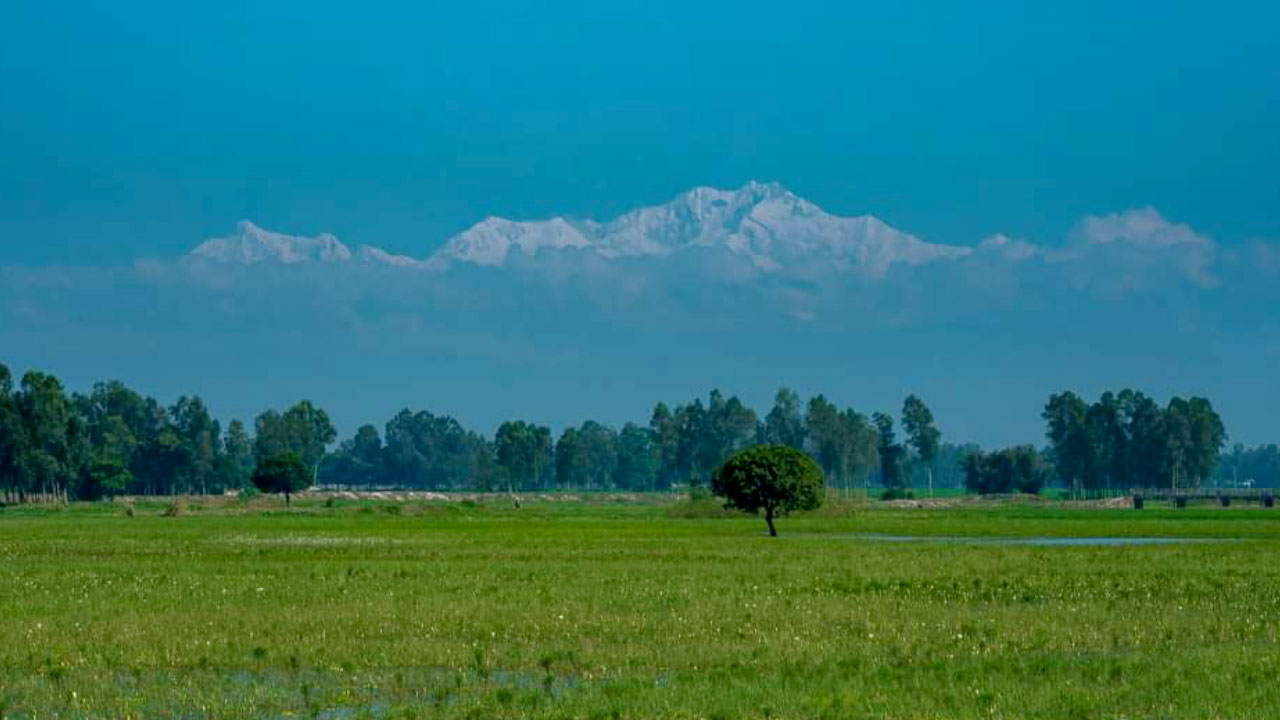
(1126, 440)
(772, 478)
(286, 473)
(922, 434)
(304, 430)
(524, 452)
(1016, 469)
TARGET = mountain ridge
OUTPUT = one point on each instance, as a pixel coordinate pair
(771, 227)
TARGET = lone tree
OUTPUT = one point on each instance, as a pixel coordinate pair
(772, 478)
(284, 473)
(921, 433)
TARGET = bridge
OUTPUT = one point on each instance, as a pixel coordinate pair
(1179, 497)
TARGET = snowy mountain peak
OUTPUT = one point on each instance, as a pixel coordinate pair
(489, 241)
(371, 255)
(251, 245)
(764, 222)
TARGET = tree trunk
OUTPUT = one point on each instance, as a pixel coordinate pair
(768, 517)
(930, 473)
(286, 498)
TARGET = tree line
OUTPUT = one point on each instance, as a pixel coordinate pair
(680, 446)
(114, 440)
(1127, 440)
(1252, 466)
(1121, 441)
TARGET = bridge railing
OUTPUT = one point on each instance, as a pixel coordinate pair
(1225, 496)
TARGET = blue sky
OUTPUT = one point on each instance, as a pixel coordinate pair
(141, 128)
(134, 130)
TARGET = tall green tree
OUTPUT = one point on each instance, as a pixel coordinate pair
(162, 460)
(599, 450)
(524, 451)
(1179, 453)
(104, 477)
(637, 469)
(587, 457)
(568, 458)
(1067, 432)
(892, 454)
(116, 419)
(136, 432)
(433, 452)
(358, 461)
(694, 438)
(303, 429)
(690, 422)
(366, 454)
(236, 460)
(200, 437)
(1208, 435)
(51, 461)
(828, 438)
(12, 438)
(1109, 441)
(729, 427)
(784, 425)
(864, 454)
(666, 442)
(1144, 423)
(922, 433)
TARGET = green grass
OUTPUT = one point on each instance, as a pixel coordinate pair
(601, 609)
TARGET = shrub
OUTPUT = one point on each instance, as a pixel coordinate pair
(897, 493)
(1016, 469)
(284, 474)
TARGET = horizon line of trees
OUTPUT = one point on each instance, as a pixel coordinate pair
(1127, 440)
(113, 440)
(680, 446)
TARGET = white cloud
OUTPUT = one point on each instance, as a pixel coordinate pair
(1139, 249)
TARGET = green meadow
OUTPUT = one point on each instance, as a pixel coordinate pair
(635, 608)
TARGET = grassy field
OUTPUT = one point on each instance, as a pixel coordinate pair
(628, 609)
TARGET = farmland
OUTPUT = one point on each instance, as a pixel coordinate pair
(634, 607)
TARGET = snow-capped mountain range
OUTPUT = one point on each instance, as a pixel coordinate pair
(763, 222)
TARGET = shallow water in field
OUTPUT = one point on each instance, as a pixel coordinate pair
(1040, 540)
